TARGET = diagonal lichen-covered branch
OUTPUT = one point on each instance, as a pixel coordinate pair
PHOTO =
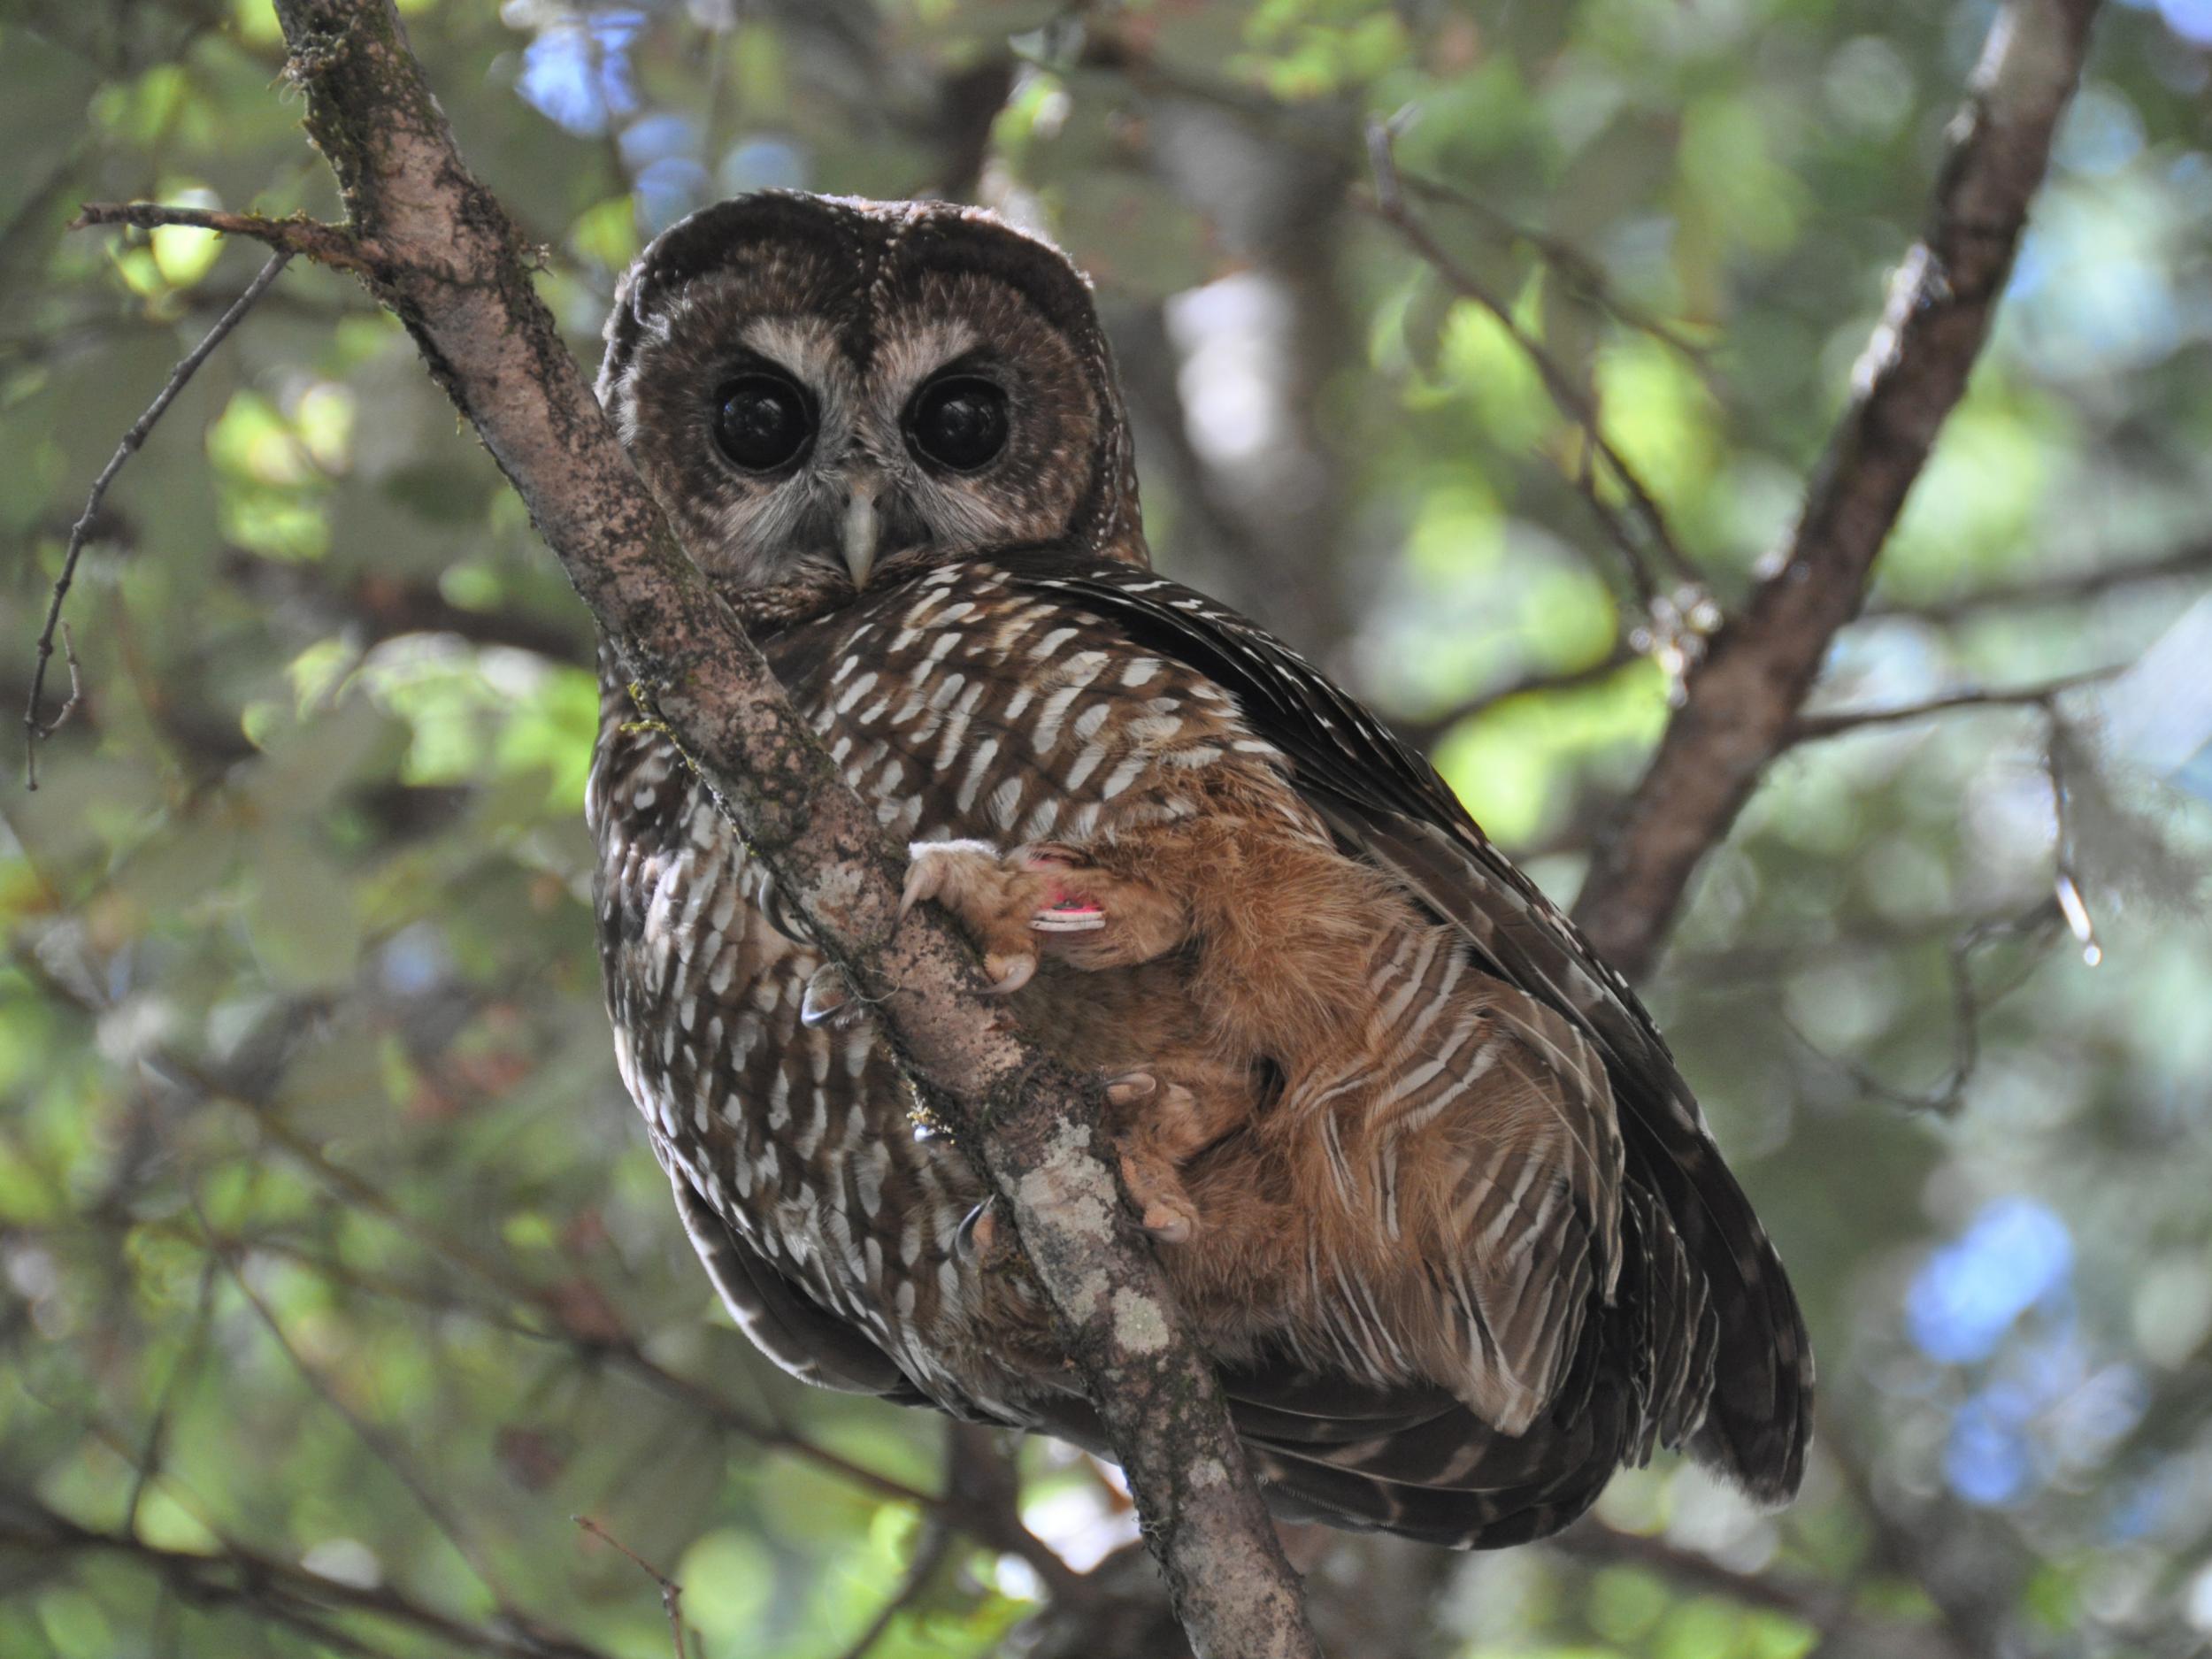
(1742, 702)
(449, 263)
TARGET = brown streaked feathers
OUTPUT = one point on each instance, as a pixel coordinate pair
(1420, 1165)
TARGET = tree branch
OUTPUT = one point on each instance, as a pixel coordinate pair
(274, 1589)
(1808, 728)
(1741, 701)
(452, 268)
(1389, 205)
(2054, 588)
(310, 238)
(36, 727)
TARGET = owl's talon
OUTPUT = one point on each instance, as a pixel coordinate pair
(1151, 1135)
(1170, 1225)
(980, 1239)
(1008, 974)
(829, 999)
(975, 1232)
(1130, 1087)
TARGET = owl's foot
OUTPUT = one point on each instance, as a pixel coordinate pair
(1150, 1115)
(1015, 905)
(829, 1000)
(982, 1241)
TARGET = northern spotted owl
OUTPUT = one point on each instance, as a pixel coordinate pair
(1418, 1164)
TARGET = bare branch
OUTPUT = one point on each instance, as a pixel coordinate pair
(274, 1589)
(929, 1556)
(1389, 205)
(309, 239)
(1809, 727)
(1741, 701)
(1827, 1609)
(387, 1450)
(2060, 587)
(1424, 733)
(671, 1592)
(36, 728)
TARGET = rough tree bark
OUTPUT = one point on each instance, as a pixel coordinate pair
(1741, 701)
(435, 247)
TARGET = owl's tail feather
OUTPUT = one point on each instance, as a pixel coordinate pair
(1449, 1478)
(1757, 1416)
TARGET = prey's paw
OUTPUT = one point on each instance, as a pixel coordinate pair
(1091, 917)
(1063, 886)
(1042, 898)
(990, 899)
(1142, 1105)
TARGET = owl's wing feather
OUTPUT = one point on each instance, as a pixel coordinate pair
(786, 1324)
(1388, 805)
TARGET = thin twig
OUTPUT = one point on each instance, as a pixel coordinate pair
(271, 1587)
(36, 729)
(1391, 208)
(1827, 1609)
(2065, 877)
(1427, 730)
(147, 1464)
(1970, 1003)
(928, 1556)
(1577, 271)
(1810, 727)
(2192, 559)
(370, 1434)
(671, 1592)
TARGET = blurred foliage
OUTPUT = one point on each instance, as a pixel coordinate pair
(327, 1234)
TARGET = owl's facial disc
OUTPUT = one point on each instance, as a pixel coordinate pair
(824, 391)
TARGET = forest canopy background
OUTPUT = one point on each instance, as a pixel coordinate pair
(332, 1251)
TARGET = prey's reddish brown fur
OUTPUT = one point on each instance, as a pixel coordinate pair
(1231, 992)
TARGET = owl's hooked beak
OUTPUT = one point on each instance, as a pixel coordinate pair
(863, 531)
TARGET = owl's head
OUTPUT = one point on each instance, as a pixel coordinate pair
(819, 387)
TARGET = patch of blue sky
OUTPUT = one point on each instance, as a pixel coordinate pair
(2191, 19)
(2101, 134)
(656, 136)
(2049, 1413)
(762, 162)
(577, 72)
(1989, 1458)
(667, 190)
(1969, 1293)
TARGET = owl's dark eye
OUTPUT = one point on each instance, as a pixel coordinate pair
(761, 421)
(958, 423)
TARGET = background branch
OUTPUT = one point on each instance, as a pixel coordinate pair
(1742, 699)
(36, 727)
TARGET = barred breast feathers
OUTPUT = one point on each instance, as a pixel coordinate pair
(1592, 1269)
